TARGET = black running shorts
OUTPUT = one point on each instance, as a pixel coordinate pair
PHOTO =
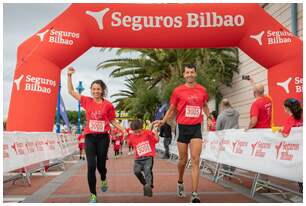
(188, 132)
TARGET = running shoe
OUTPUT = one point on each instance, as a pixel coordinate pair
(180, 190)
(147, 190)
(104, 185)
(195, 198)
(93, 198)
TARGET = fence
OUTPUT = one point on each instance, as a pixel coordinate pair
(258, 150)
(25, 152)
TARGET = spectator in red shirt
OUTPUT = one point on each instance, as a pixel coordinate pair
(293, 108)
(211, 125)
(189, 100)
(143, 142)
(261, 109)
(100, 113)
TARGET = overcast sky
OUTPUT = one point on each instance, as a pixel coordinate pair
(20, 21)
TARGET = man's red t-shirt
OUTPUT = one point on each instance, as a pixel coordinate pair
(291, 122)
(98, 115)
(262, 109)
(143, 143)
(189, 103)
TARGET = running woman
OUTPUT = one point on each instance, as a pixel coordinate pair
(100, 113)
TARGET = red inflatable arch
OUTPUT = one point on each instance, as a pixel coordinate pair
(82, 26)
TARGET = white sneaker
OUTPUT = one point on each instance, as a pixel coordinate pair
(296, 199)
(129, 153)
(180, 190)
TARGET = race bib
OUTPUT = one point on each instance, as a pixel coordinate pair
(192, 111)
(96, 126)
(143, 148)
(117, 143)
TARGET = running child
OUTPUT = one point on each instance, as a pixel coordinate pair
(143, 142)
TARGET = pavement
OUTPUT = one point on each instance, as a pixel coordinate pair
(70, 186)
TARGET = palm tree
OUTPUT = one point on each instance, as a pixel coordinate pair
(138, 101)
(151, 65)
(164, 68)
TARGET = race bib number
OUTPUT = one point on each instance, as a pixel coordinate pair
(96, 126)
(143, 148)
(192, 111)
(117, 143)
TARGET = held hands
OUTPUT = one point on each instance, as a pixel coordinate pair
(158, 123)
(70, 71)
(155, 128)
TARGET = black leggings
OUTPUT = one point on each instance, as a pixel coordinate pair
(96, 148)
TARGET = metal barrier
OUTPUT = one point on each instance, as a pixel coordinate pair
(219, 171)
(25, 173)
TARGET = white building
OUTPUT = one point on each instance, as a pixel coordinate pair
(240, 94)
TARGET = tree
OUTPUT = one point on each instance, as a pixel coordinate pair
(73, 117)
(163, 69)
(139, 101)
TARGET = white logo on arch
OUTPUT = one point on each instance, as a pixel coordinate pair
(17, 82)
(258, 37)
(98, 16)
(42, 35)
(285, 84)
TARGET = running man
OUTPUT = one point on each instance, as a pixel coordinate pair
(189, 100)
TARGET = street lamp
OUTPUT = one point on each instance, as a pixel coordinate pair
(80, 89)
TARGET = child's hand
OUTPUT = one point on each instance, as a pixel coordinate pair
(155, 129)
